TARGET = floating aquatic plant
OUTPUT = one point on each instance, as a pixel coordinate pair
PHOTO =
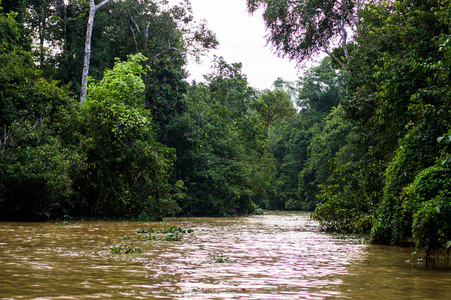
(171, 234)
(143, 230)
(64, 222)
(125, 249)
(220, 258)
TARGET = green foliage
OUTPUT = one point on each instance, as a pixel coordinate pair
(105, 159)
(35, 169)
(171, 234)
(125, 249)
(37, 164)
(428, 203)
(322, 151)
(301, 29)
(9, 32)
(344, 204)
(271, 106)
(17, 6)
(393, 223)
(218, 140)
(15, 11)
(221, 259)
(128, 169)
(305, 146)
(321, 88)
(164, 33)
(399, 104)
(121, 85)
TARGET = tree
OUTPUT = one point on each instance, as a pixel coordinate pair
(305, 146)
(84, 77)
(288, 142)
(148, 22)
(302, 28)
(272, 106)
(40, 18)
(398, 104)
(127, 169)
(165, 34)
(217, 139)
(37, 163)
(321, 88)
(415, 92)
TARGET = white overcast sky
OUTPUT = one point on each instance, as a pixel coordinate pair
(241, 39)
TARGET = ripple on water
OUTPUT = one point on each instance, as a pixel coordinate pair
(274, 256)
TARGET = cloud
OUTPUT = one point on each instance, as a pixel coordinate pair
(242, 39)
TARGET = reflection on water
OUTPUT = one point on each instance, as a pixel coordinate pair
(274, 256)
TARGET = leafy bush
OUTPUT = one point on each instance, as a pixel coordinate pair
(393, 223)
(429, 199)
(340, 207)
(128, 169)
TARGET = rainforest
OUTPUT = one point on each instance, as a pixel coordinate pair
(362, 139)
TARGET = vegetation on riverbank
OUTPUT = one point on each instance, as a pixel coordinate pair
(366, 148)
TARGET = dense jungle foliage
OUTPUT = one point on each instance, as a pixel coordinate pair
(362, 138)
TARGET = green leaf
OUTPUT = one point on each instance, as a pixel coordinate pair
(448, 244)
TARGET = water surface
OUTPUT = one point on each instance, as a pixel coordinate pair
(273, 256)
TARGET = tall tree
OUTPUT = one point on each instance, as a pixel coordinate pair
(128, 170)
(84, 77)
(217, 137)
(399, 104)
(321, 88)
(36, 164)
(300, 29)
(272, 106)
(305, 146)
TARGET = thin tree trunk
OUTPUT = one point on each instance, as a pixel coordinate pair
(41, 28)
(65, 31)
(84, 77)
(130, 25)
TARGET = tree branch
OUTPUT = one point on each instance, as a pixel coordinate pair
(323, 44)
(146, 35)
(164, 51)
(101, 4)
(133, 33)
(351, 16)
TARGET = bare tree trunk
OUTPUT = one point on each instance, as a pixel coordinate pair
(65, 29)
(84, 77)
(130, 25)
(41, 28)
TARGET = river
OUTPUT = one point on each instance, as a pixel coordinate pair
(271, 256)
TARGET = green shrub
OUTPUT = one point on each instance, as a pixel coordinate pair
(429, 197)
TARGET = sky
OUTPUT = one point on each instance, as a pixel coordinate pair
(242, 39)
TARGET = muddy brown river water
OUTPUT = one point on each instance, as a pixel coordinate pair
(272, 256)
